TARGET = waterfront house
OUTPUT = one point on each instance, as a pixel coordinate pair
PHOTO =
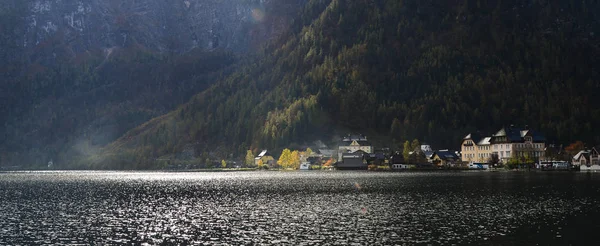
(397, 158)
(403, 166)
(507, 143)
(353, 161)
(444, 158)
(518, 142)
(377, 158)
(353, 143)
(476, 148)
(586, 158)
(305, 166)
(266, 158)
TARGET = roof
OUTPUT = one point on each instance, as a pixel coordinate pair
(360, 152)
(360, 139)
(354, 137)
(326, 152)
(264, 153)
(516, 134)
(476, 137)
(361, 143)
(485, 141)
(353, 155)
(428, 154)
(581, 153)
(446, 155)
(535, 136)
(378, 156)
(586, 153)
(397, 159)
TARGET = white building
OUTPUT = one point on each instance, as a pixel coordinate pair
(506, 143)
(353, 143)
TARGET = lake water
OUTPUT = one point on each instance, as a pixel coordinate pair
(299, 208)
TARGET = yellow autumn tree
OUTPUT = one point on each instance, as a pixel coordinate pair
(223, 164)
(309, 152)
(260, 164)
(295, 160)
(285, 158)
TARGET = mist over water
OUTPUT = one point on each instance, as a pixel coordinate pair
(299, 208)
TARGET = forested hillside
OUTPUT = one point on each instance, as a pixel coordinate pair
(396, 70)
(78, 75)
(391, 69)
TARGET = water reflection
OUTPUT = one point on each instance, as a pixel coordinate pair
(300, 208)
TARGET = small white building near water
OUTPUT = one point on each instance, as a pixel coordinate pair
(305, 166)
(403, 166)
(479, 166)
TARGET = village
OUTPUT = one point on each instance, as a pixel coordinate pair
(510, 148)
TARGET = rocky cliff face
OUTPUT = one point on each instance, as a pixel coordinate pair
(166, 26)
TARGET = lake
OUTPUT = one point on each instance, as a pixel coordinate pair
(299, 208)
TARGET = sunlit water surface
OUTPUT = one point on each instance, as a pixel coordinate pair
(299, 208)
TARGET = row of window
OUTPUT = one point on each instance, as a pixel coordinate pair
(469, 148)
(501, 154)
(536, 145)
(501, 146)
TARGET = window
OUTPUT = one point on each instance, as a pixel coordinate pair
(507, 153)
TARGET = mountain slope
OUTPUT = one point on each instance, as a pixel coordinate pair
(395, 69)
(72, 84)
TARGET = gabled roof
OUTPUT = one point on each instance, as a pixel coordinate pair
(428, 154)
(360, 143)
(264, 153)
(378, 156)
(500, 133)
(516, 134)
(360, 139)
(476, 137)
(326, 152)
(580, 154)
(360, 152)
(535, 136)
(397, 159)
(485, 141)
(594, 152)
(445, 155)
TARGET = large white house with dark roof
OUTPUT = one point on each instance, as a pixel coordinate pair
(353, 143)
(507, 142)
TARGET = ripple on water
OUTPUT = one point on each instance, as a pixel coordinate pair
(300, 208)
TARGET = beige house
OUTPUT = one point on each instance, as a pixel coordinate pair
(353, 143)
(265, 158)
(476, 149)
(506, 143)
(587, 158)
(444, 158)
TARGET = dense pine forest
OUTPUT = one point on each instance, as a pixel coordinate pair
(392, 69)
